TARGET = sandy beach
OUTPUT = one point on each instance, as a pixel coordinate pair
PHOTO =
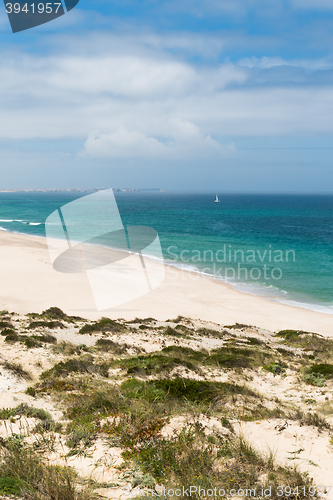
(193, 339)
(29, 283)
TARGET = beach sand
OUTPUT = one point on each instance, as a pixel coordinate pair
(297, 436)
(28, 283)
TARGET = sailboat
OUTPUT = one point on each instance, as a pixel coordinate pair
(217, 199)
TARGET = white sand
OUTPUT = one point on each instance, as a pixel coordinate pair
(28, 283)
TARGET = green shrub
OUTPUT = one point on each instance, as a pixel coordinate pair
(171, 331)
(186, 353)
(12, 337)
(56, 314)
(31, 391)
(236, 357)
(47, 426)
(7, 331)
(208, 332)
(91, 404)
(275, 368)
(289, 334)
(10, 485)
(28, 411)
(104, 325)
(324, 369)
(108, 345)
(316, 379)
(315, 420)
(31, 342)
(78, 365)
(17, 369)
(27, 474)
(5, 324)
(176, 320)
(255, 341)
(152, 364)
(196, 391)
(231, 357)
(237, 326)
(46, 337)
(136, 389)
(46, 324)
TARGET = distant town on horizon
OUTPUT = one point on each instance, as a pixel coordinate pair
(75, 190)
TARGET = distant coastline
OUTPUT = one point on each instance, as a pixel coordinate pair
(76, 190)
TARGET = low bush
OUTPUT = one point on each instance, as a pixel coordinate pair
(236, 357)
(104, 325)
(24, 472)
(172, 331)
(289, 334)
(28, 411)
(54, 313)
(146, 365)
(107, 345)
(12, 337)
(5, 324)
(275, 368)
(7, 331)
(315, 420)
(237, 326)
(323, 369)
(255, 341)
(78, 365)
(316, 379)
(10, 485)
(46, 324)
(196, 391)
(16, 369)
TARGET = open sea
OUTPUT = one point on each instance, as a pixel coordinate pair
(280, 246)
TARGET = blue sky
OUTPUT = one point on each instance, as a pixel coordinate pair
(228, 95)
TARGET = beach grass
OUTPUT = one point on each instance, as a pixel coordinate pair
(114, 393)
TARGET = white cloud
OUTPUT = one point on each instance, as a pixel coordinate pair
(134, 76)
(272, 62)
(145, 103)
(131, 76)
(122, 143)
(186, 141)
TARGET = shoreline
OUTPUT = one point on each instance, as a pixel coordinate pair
(28, 283)
(242, 287)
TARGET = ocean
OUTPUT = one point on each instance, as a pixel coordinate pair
(279, 246)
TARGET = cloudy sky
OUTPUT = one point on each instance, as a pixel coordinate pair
(227, 95)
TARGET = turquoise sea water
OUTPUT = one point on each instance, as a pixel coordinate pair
(279, 246)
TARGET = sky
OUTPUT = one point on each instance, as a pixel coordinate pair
(197, 95)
